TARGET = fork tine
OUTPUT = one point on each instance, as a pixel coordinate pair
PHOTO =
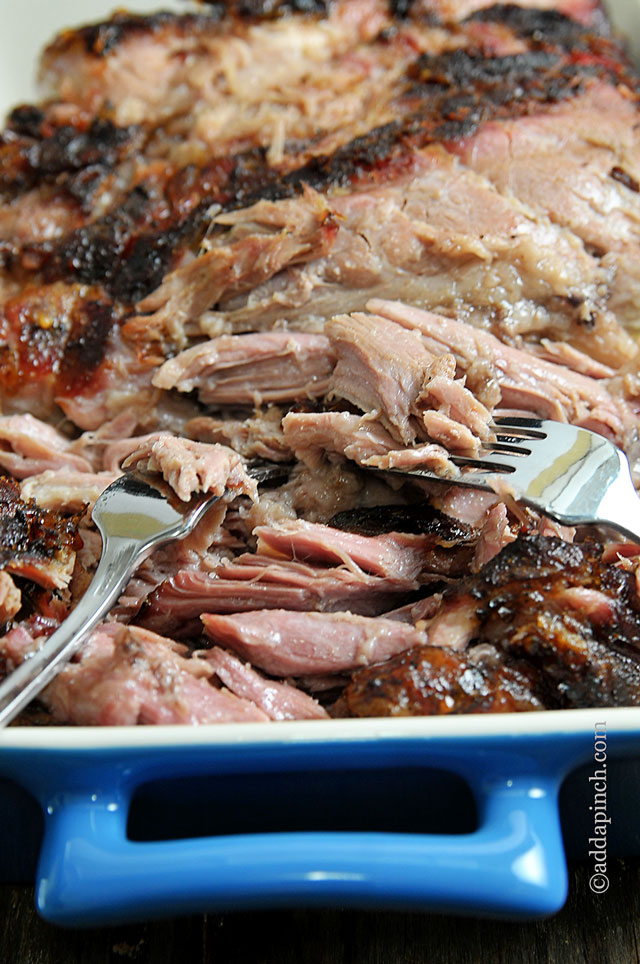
(571, 474)
(527, 428)
(490, 462)
(519, 421)
(509, 443)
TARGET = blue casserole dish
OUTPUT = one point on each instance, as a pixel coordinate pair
(471, 815)
(464, 814)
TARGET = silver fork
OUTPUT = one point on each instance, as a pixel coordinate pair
(134, 515)
(572, 475)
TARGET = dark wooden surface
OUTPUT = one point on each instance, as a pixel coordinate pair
(600, 929)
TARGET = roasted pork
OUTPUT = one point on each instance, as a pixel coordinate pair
(341, 235)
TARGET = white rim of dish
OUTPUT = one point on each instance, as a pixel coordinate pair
(479, 726)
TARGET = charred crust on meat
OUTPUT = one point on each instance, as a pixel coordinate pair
(86, 346)
(268, 9)
(539, 26)
(463, 89)
(587, 657)
(57, 334)
(536, 645)
(40, 157)
(129, 250)
(219, 10)
(26, 528)
(549, 624)
(358, 156)
(70, 149)
(119, 251)
(555, 68)
(532, 555)
(454, 93)
(419, 519)
(619, 174)
(437, 681)
(401, 8)
(466, 70)
(26, 120)
(101, 39)
(445, 98)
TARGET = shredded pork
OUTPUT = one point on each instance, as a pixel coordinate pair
(341, 237)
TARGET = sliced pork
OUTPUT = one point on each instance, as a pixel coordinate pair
(127, 675)
(300, 644)
(399, 555)
(280, 701)
(525, 382)
(35, 447)
(262, 582)
(276, 366)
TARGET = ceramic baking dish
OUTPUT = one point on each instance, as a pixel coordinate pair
(466, 814)
(458, 814)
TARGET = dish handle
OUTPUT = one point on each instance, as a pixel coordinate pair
(512, 865)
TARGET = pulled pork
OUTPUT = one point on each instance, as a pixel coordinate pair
(342, 237)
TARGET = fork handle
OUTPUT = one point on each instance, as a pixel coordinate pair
(119, 559)
(620, 507)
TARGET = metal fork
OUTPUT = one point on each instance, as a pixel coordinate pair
(572, 475)
(134, 515)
